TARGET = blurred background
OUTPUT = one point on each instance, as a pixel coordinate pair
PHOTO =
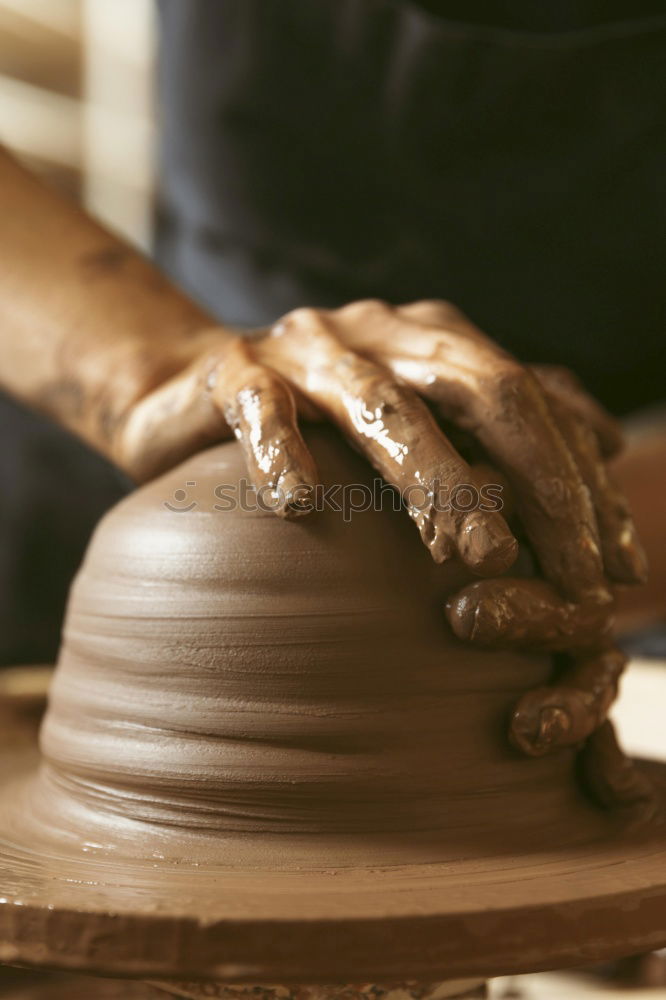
(76, 102)
(77, 105)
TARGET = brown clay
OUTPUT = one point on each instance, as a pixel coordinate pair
(221, 672)
(267, 759)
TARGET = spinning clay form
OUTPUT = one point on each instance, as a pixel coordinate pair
(266, 758)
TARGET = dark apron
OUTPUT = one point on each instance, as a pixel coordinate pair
(317, 151)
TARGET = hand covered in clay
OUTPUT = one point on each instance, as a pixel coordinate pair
(114, 351)
(366, 367)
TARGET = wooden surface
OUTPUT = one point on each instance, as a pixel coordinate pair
(639, 716)
(76, 102)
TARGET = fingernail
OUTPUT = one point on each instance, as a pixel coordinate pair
(475, 617)
(294, 497)
(460, 612)
(598, 599)
(631, 555)
(485, 544)
(442, 549)
(434, 537)
(554, 725)
(296, 508)
(537, 732)
(440, 544)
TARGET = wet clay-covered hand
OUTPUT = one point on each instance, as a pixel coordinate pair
(95, 336)
(252, 386)
(549, 439)
(536, 425)
(365, 367)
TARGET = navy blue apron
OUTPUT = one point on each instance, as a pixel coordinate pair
(509, 157)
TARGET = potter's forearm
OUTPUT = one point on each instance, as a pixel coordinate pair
(87, 325)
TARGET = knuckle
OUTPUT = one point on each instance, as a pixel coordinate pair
(262, 400)
(374, 384)
(564, 376)
(375, 304)
(303, 317)
(515, 395)
(363, 307)
(370, 304)
(512, 381)
(386, 396)
(233, 352)
(442, 307)
(304, 325)
(434, 312)
(263, 383)
(354, 369)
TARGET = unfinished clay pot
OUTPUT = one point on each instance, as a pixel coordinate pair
(267, 758)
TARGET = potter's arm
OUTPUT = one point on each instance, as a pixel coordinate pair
(92, 334)
(87, 326)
